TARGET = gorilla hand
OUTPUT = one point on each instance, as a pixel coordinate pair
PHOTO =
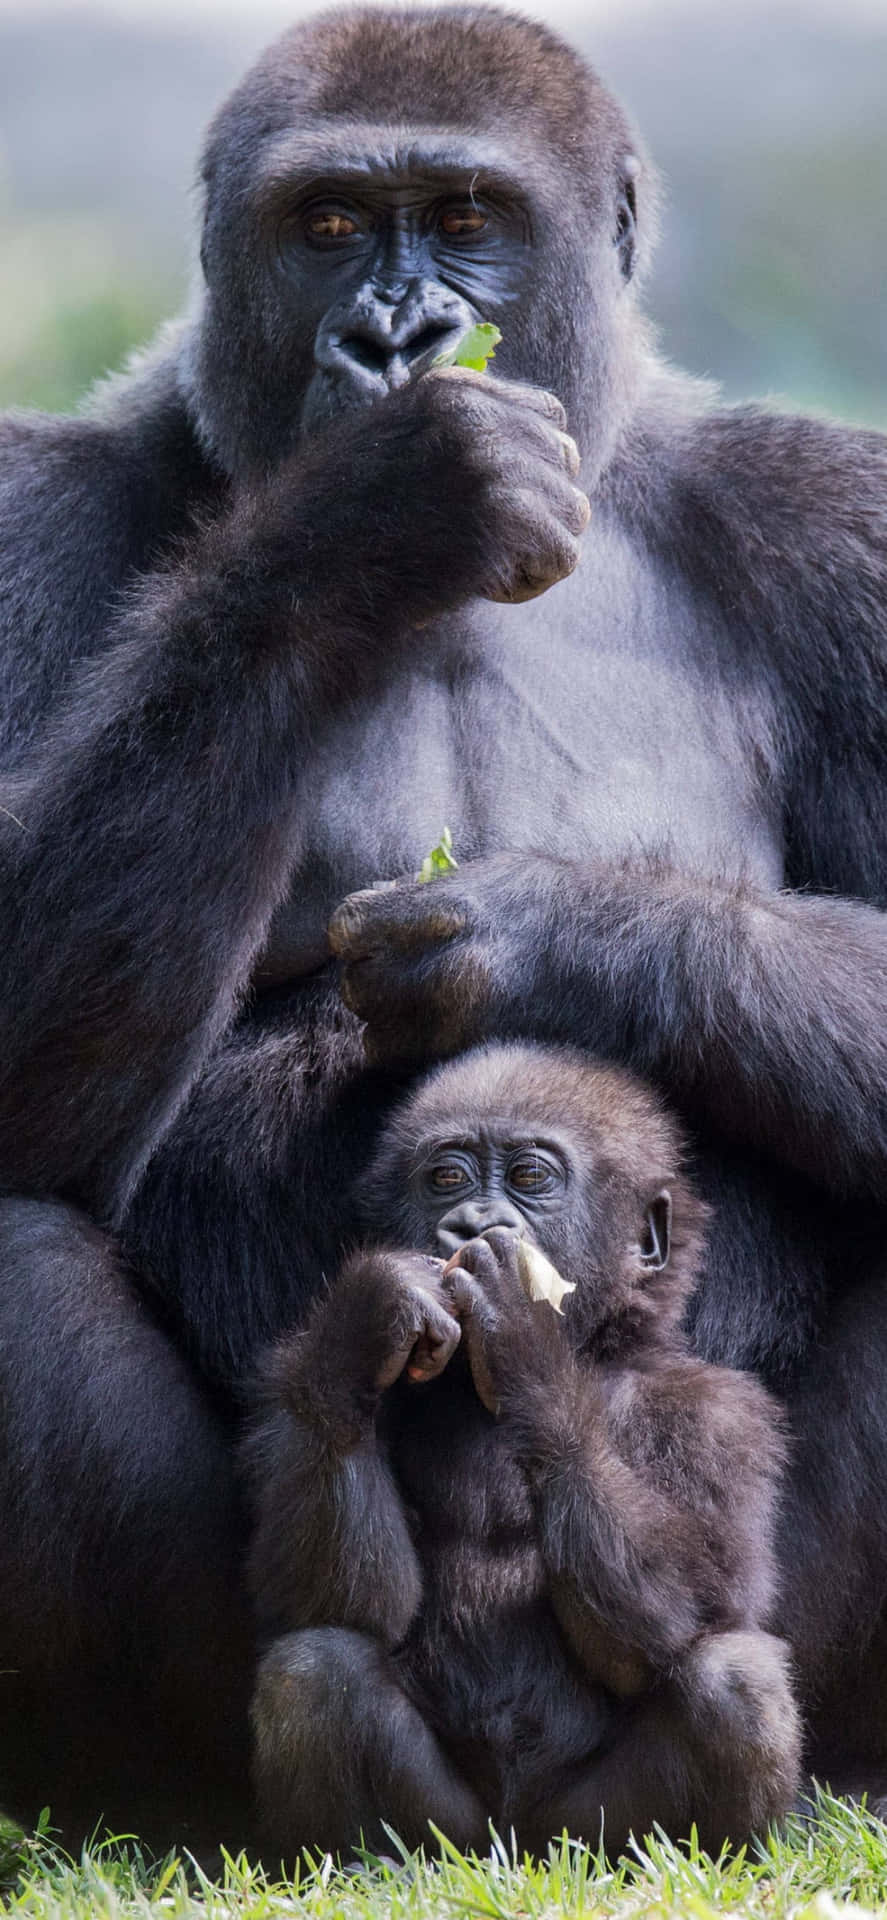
(460, 487)
(435, 969)
(510, 1342)
(505, 447)
(385, 1315)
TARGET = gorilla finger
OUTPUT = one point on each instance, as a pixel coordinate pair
(435, 1347)
(465, 1295)
(350, 923)
(581, 509)
(537, 399)
(481, 1374)
(569, 453)
(397, 916)
(503, 1243)
(355, 987)
(476, 1258)
(383, 992)
(393, 1365)
(514, 392)
(478, 1327)
(554, 559)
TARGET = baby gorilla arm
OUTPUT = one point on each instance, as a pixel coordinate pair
(332, 1545)
(338, 1746)
(653, 1484)
(653, 1489)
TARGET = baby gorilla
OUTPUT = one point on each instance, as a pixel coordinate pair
(521, 1562)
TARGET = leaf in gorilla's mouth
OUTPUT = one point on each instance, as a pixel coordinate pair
(539, 1279)
(473, 348)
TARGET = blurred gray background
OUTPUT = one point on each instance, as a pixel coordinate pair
(769, 124)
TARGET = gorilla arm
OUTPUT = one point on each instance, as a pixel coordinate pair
(331, 1546)
(147, 839)
(340, 1750)
(653, 1491)
(653, 1484)
(762, 1015)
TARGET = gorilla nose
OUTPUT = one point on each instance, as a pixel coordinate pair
(467, 1222)
(382, 353)
(386, 328)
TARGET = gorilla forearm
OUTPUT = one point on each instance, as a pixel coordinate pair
(762, 1015)
(163, 794)
(622, 1554)
(160, 798)
(331, 1545)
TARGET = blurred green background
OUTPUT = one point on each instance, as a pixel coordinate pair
(769, 125)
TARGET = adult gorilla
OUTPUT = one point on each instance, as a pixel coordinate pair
(253, 660)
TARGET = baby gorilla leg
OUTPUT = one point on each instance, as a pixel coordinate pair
(717, 1744)
(339, 1748)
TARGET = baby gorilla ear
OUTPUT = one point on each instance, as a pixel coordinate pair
(655, 1241)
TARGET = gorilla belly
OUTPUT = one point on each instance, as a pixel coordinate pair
(511, 1709)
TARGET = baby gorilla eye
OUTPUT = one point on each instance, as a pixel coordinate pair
(448, 1178)
(534, 1172)
(463, 222)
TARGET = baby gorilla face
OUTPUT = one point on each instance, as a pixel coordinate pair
(578, 1158)
(463, 1187)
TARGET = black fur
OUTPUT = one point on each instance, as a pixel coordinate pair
(531, 1570)
(260, 641)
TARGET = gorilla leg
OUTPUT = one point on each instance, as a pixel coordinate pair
(340, 1748)
(125, 1648)
(832, 1543)
(717, 1744)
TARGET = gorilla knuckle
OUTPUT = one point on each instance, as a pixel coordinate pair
(538, 400)
(569, 453)
(580, 507)
(503, 1244)
(347, 924)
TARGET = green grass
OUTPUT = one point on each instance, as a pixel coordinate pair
(816, 1869)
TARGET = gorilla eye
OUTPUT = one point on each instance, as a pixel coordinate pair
(535, 1173)
(449, 1177)
(463, 222)
(329, 225)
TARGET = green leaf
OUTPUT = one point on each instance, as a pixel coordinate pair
(473, 349)
(439, 860)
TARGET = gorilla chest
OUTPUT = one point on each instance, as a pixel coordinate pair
(540, 728)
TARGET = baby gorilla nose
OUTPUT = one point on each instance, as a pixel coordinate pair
(472, 1218)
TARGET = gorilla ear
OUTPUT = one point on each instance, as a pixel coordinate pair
(625, 235)
(655, 1242)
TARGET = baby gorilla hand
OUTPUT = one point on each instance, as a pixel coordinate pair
(508, 1340)
(385, 1315)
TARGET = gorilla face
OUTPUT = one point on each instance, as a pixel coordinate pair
(389, 266)
(462, 1188)
(382, 180)
(574, 1156)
